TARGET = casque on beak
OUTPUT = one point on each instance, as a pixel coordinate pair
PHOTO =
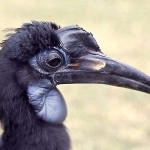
(90, 65)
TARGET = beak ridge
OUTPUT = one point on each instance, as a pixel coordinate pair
(98, 68)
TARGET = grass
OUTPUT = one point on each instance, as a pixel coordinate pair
(100, 117)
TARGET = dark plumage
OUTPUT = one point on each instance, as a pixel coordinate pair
(30, 39)
(23, 130)
(33, 61)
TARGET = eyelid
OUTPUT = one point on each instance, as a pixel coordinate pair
(63, 53)
(41, 68)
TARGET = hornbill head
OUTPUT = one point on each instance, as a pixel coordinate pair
(48, 55)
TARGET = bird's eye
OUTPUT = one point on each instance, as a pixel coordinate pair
(49, 61)
(55, 60)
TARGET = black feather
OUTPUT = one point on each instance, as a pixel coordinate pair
(23, 130)
(30, 39)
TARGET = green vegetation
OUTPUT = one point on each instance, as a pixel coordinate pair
(100, 117)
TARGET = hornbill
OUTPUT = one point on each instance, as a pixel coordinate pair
(33, 61)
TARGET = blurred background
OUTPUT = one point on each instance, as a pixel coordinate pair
(100, 117)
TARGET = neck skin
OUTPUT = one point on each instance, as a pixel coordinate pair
(22, 128)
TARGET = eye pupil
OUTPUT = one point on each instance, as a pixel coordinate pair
(54, 62)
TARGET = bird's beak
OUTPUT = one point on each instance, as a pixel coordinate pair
(98, 68)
